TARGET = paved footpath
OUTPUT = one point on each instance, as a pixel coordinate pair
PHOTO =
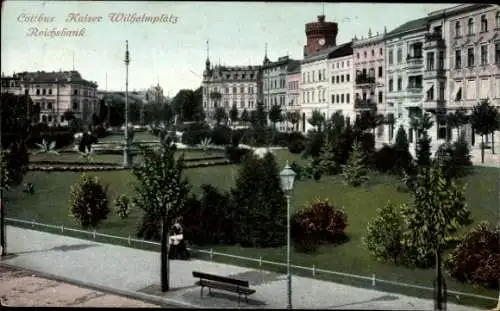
(136, 273)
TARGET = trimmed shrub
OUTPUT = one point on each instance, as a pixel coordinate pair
(318, 223)
(296, 146)
(384, 159)
(221, 135)
(314, 143)
(89, 201)
(122, 206)
(477, 259)
(384, 234)
(235, 154)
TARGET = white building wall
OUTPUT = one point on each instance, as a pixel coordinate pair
(314, 91)
(341, 76)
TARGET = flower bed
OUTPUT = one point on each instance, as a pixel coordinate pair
(206, 158)
(73, 163)
(74, 168)
(207, 164)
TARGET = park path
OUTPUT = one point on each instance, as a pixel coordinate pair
(136, 273)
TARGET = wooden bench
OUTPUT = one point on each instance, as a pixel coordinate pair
(223, 283)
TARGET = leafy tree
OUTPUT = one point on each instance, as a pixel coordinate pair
(122, 205)
(369, 120)
(275, 115)
(294, 118)
(457, 119)
(354, 171)
(454, 159)
(233, 114)
(437, 212)
(88, 201)
(485, 120)
(260, 119)
(220, 115)
(258, 203)
(384, 233)
(476, 260)
(403, 156)
(421, 123)
(161, 192)
(245, 116)
(187, 104)
(317, 120)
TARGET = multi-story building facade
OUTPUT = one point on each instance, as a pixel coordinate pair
(369, 82)
(462, 57)
(231, 86)
(293, 94)
(404, 81)
(55, 93)
(274, 84)
(341, 87)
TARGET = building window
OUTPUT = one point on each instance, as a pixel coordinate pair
(337, 79)
(333, 79)
(365, 54)
(430, 61)
(441, 60)
(37, 91)
(497, 19)
(458, 29)
(373, 53)
(337, 98)
(430, 94)
(242, 104)
(470, 26)
(347, 77)
(484, 55)
(400, 84)
(342, 78)
(75, 92)
(357, 55)
(380, 52)
(380, 94)
(242, 90)
(484, 23)
(497, 53)
(234, 90)
(391, 85)
(442, 129)
(75, 105)
(342, 98)
(333, 99)
(49, 106)
(337, 65)
(470, 57)
(303, 77)
(380, 72)
(400, 56)
(347, 98)
(441, 90)
(458, 59)
(391, 57)
(342, 64)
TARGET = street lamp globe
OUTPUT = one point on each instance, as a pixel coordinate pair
(287, 177)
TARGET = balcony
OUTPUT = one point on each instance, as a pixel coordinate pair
(414, 62)
(412, 89)
(364, 104)
(433, 40)
(434, 105)
(434, 73)
(363, 81)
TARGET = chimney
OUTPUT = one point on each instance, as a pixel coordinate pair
(321, 18)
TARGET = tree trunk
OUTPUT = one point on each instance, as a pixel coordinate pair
(498, 304)
(164, 255)
(493, 142)
(482, 148)
(439, 299)
(3, 229)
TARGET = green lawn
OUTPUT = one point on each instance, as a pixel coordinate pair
(49, 205)
(138, 136)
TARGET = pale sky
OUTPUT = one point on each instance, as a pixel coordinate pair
(174, 53)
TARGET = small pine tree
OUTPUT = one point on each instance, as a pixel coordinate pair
(401, 146)
(122, 205)
(354, 172)
(423, 150)
(384, 233)
(326, 158)
(88, 201)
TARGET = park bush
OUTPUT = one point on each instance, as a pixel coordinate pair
(122, 206)
(476, 260)
(208, 220)
(297, 146)
(384, 233)
(354, 171)
(89, 201)
(319, 223)
(383, 160)
(314, 143)
(194, 133)
(455, 159)
(221, 135)
(235, 154)
(298, 169)
(149, 228)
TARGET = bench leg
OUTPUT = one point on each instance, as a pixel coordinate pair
(239, 296)
(201, 292)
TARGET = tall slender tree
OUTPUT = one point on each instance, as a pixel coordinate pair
(485, 120)
(161, 192)
(317, 120)
(275, 115)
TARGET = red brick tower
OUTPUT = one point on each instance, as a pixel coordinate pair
(320, 35)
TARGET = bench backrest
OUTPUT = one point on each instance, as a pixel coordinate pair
(218, 278)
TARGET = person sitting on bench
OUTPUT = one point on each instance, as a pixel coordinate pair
(177, 249)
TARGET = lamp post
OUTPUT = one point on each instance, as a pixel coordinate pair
(126, 149)
(287, 177)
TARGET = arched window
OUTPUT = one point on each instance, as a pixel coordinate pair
(458, 29)
(484, 23)
(497, 19)
(470, 26)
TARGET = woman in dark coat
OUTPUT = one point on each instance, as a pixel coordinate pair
(178, 250)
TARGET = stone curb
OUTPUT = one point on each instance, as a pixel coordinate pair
(163, 302)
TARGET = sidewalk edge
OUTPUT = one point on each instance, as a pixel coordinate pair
(161, 301)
